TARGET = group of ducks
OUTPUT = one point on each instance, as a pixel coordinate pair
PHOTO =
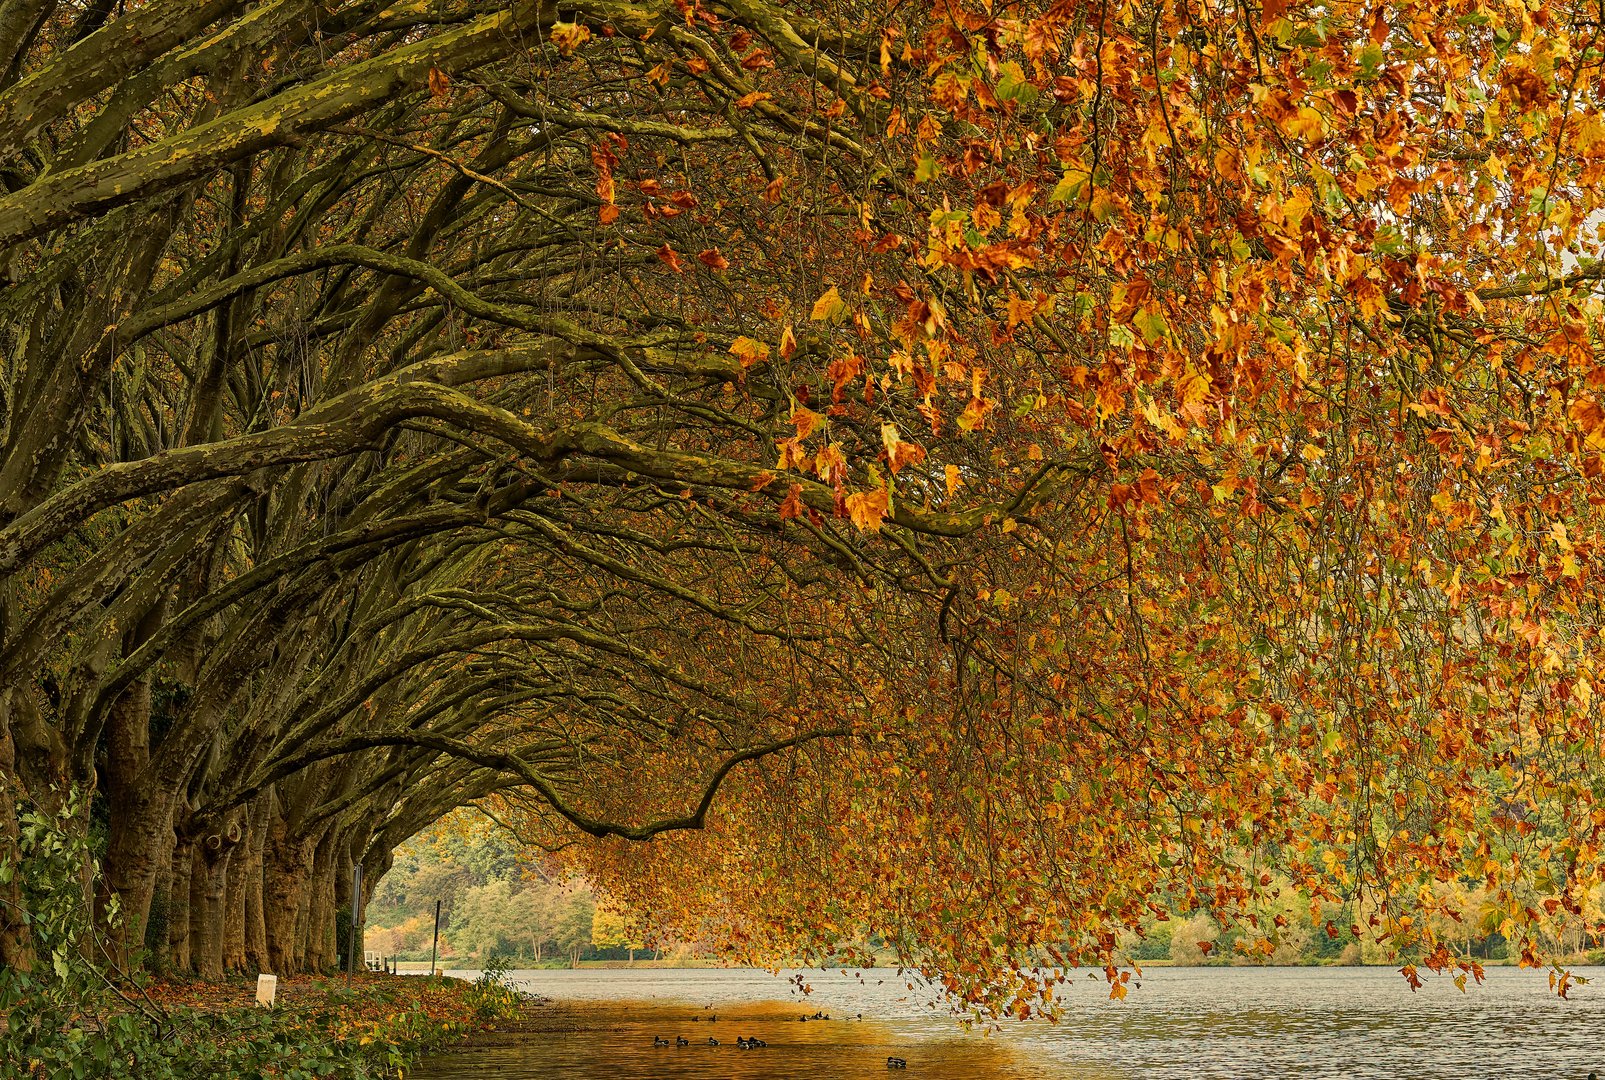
(742, 1042)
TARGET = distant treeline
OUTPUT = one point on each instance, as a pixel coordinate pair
(1467, 922)
(492, 902)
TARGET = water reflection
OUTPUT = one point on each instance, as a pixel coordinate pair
(616, 1040)
(1183, 1023)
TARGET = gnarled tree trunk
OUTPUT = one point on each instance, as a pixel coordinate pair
(179, 903)
(208, 889)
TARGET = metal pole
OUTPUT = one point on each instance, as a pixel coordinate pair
(356, 919)
(436, 943)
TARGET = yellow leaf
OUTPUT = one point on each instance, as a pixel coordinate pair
(828, 307)
(1193, 387)
(1306, 123)
(568, 36)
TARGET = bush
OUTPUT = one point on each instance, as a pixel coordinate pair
(71, 1018)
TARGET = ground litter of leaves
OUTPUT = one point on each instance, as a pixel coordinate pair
(385, 1016)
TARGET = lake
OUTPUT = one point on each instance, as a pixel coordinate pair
(1181, 1022)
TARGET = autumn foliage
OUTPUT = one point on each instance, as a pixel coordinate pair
(975, 478)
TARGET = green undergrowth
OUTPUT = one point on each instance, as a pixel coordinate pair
(73, 1017)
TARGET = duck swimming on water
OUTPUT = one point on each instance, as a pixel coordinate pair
(658, 1040)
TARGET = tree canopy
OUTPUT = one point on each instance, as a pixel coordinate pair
(973, 477)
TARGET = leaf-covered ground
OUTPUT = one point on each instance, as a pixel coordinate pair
(376, 1025)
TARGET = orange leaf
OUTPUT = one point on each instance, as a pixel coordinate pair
(748, 351)
(1379, 25)
(806, 420)
(791, 506)
(831, 465)
(900, 454)
(868, 508)
(712, 259)
(974, 414)
(438, 83)
(670, 258)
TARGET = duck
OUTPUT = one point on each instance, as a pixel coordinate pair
(712, 1041)
(658, 1040)
(896, 1063)
(757, 1042)
(681, 1040)
(743, 1042)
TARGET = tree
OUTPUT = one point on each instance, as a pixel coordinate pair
(987, 475)
(614, 930)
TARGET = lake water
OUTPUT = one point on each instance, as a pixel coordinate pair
(1181, 1022)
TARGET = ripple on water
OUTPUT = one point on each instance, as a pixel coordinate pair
(1202, 1023)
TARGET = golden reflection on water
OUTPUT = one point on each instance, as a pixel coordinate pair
(1183, 1024)
(615, 1039)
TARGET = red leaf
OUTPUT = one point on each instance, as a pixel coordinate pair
(792, 505)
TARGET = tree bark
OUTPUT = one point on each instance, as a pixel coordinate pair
(234, 889)
(286, 870)
(16, 944)
(322, 937)
(256, 950)
(208, 889)
(140, 841)
(180, 899)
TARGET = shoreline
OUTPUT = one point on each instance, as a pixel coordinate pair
(324, 1026)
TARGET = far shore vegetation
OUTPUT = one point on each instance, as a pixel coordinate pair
(496, 906)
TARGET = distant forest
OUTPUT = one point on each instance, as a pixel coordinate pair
(493, 901)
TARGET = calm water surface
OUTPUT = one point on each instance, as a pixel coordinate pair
(1181, 1022)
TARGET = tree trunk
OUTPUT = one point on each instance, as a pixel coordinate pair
(286, 869)
(179, 898)
(256, 950)
(140, 847)
(140, 832)
(234, 904)
(208, 889)
(16, 943)
(321, 948)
